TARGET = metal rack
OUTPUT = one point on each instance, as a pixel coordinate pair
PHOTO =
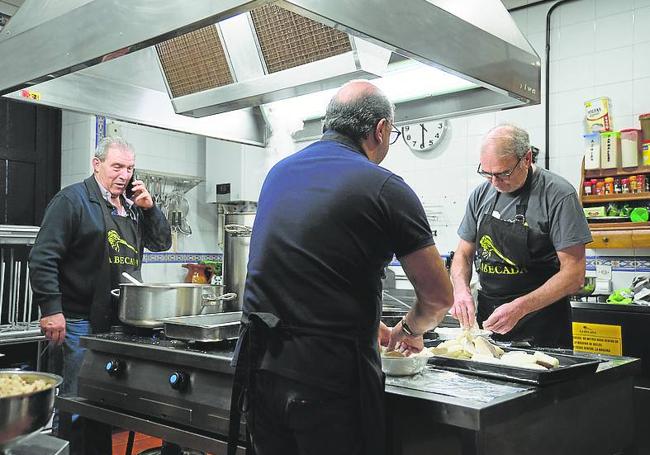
(18, 317)
(168, 190)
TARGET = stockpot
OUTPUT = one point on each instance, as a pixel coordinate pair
(238, 229)
(22, 416)
(148, 304)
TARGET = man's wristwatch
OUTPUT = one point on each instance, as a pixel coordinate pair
(407, 330)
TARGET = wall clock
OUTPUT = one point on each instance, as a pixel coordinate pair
(424, 136)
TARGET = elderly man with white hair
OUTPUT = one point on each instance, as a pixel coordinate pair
(525, 230)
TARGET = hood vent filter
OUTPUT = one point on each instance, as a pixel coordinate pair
(287, 40)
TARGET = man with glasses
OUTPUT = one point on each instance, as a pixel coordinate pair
(527, 231)
(329, 219)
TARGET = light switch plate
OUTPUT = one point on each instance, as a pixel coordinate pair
(603, 272)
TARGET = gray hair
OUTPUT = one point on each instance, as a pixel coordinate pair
(513, 139)
(108, 142)
(358, 117)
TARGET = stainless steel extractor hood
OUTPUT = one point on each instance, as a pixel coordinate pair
(227, 57)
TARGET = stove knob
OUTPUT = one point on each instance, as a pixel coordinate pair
(114, 367)
(179, 380)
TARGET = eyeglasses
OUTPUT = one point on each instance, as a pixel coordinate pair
(394, 134)
(498, 175)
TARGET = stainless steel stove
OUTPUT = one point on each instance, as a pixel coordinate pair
(182, 384)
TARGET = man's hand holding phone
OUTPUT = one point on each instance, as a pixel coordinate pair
(138, 193)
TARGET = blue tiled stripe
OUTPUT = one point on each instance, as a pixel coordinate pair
(172, 258)
(618, 263)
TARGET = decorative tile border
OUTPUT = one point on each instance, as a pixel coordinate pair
(174, 258)
(100, 128)
(618, 263)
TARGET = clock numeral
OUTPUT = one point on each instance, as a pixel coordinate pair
(430, 141)
(440, 125)
(422, 145)
(408, 137)
(415, 143)
(405, 128)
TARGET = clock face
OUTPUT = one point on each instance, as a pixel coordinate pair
(424, 136)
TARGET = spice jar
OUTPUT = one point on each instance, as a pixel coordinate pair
(587, 188)
(609, 185)
(633, 184)
(600, 188)
(640, 183)
(617, 185)
(625, 185)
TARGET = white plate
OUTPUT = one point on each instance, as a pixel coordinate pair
(451, 333)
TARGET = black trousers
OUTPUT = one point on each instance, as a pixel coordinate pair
(292, 418)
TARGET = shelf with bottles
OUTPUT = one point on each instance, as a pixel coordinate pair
(615, 172)
(617, 197)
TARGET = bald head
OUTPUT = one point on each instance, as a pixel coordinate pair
(506, 140)
(356, 109)
(354, 90)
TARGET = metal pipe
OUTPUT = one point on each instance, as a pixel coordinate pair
(30, 296)
(2, 280)
(547, 84)
(25, 287)
(11, 285)
(16, 309)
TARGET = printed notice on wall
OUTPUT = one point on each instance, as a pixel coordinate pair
(597, 338)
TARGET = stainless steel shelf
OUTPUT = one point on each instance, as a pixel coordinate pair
(18, 235)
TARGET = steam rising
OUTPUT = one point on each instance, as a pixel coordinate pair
(283, 122)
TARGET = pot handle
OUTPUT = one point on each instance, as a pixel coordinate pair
(209, 300)
(115, 292)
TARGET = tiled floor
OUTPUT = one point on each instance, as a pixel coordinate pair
(141, 442)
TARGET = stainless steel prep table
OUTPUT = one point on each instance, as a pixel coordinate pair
(444, 412)
(436, 412)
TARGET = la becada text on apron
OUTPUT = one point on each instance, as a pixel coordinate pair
(507, 271)
(123, 246)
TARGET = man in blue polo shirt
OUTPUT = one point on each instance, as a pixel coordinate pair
(329, 220)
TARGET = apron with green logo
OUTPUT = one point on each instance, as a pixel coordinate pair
(507, 270)
(123, 246)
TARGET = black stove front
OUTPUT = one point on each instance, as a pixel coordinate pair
(185, 383)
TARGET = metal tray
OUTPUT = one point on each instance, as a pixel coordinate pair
(571, 366)
(204, 327)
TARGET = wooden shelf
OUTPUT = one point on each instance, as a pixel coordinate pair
(617, 226)
(620, 197)
(619, 172)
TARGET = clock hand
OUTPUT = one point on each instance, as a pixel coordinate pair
(423, 130)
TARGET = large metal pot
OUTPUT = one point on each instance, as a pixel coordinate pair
(147, 305)
(238, 230)
(22, 416)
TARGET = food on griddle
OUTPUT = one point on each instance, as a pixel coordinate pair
(480, 349)
(14, 384)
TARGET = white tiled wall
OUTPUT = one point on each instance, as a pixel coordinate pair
(77, 144)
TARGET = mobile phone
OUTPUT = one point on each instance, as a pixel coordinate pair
(129, 187)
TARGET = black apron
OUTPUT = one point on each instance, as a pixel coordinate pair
(507, 270)
(258, 333)
(123, 244)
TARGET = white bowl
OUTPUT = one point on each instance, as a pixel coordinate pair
(404, 366)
